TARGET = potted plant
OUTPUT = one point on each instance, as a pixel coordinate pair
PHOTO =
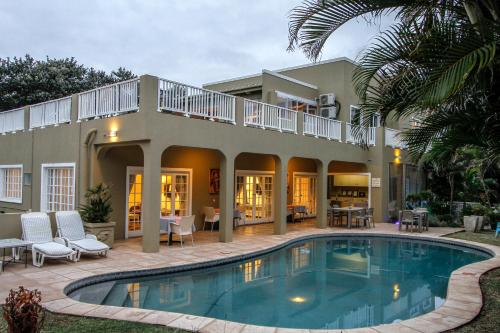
(470, 220)
(479, 211)
(96, 214)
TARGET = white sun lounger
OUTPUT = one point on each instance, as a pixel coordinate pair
(36, 230)
(70, 229)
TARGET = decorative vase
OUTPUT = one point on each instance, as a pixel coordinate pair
(470, 223)
(105, 232)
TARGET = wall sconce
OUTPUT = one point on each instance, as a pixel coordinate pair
(397, 155)
(111, 134)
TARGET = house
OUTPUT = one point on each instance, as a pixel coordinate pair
(260, 144)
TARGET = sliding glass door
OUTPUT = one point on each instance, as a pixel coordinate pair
(254, 196)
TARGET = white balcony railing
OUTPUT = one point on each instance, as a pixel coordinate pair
(12, 121)
(322, 127)
(371, 136)
(267, 116)
(50, 113)
(392, 138)
(189, 100)
(109, 100)
(360, 135)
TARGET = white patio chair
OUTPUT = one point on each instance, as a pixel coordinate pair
(184, 228)
(210, 217)
(70, 229)
(36, 229)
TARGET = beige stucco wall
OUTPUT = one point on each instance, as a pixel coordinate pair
(152, 132)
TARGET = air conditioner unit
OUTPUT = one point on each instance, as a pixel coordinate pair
(327, 99)
(328, 112)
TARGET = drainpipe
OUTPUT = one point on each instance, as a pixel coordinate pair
(89, 140)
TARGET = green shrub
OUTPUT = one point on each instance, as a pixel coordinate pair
(98, 208)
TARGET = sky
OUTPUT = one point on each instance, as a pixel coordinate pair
(191, 41)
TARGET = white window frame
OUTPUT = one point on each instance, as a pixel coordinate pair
(43, 190)
(375, 116)
(9, 199)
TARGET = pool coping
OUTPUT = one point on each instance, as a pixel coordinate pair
(462, 304)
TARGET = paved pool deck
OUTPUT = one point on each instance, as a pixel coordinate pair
(463, 302)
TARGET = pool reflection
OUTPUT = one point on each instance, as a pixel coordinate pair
(324, 283)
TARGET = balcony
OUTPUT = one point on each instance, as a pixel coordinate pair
(109, 100)
(11, 121)
(392, 138)
(321, 127)
(267, 116)
(189, 101)
(193, 101)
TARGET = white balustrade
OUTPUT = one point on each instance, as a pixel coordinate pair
(267, 116)
(189, 100)
(53, 112)
(360, 135)
(392, 138)
(330, 129)
(372, 136)
(109, 100)
(12, 121)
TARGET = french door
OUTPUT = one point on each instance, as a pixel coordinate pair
(175, 196)
(304, 192)
(254, 196)
(133, 214)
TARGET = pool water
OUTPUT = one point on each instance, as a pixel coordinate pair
(335, 282)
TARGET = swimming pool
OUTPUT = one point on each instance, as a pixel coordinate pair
(326, 282)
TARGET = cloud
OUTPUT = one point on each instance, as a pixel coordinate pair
(192, 41)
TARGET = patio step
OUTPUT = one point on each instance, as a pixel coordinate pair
(97, 294)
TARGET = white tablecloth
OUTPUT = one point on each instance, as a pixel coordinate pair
(167, 221)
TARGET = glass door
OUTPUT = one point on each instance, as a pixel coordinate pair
(304, 192)
(134, 202)
(174, 194)
(254, 197)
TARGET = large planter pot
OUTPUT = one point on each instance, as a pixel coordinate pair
(479, 225)
(105, 232)
(470, 223)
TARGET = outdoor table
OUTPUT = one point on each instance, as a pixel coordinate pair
(236, 216)
(165, 225)
(349, 211)
(14, 244)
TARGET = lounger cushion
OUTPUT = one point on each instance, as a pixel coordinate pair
(89, 244)
(53, 249)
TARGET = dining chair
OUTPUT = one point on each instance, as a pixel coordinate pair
(369, 218)
(360, 216)
(210, 217)
(184, 228)
(407, 218)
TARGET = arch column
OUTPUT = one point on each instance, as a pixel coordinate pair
(151, 201)
(226, 198)
(321, 193)
(280, 195)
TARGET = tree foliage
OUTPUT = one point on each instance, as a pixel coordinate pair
(438, 64)
(25, 81)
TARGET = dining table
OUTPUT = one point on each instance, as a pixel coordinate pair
(421, 214)
(349, 210)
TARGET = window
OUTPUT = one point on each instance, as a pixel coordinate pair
(58, 187)
(11, 183)
(296, 103)
(355, 115)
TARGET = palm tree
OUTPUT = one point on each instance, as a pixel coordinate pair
(438, 64)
